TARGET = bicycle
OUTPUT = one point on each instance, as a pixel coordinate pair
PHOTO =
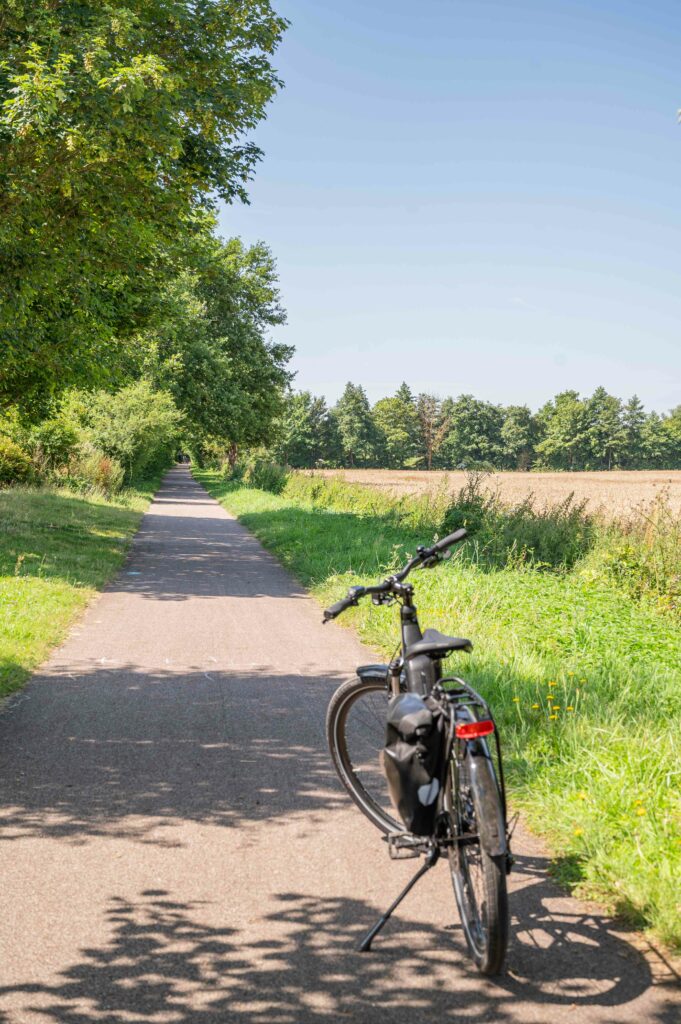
(459, 810)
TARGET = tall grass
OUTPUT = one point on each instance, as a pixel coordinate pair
(579, 655)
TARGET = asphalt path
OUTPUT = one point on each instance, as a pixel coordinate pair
(175, 846)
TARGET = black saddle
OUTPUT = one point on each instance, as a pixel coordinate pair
(437, 645)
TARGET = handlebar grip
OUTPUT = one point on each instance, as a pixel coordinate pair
(453, 538)
(340, 606)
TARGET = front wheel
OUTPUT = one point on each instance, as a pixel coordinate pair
(479, 879)
(356, 731)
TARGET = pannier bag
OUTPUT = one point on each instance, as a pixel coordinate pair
(412, 760)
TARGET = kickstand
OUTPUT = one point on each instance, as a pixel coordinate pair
(432, 857)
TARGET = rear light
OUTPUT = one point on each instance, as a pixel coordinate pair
(471, 730)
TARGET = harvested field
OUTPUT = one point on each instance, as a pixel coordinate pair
(615, 493)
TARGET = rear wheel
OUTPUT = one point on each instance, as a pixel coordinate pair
(356, 729)
(479, 879)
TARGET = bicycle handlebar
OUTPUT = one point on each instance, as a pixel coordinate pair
(427, 557)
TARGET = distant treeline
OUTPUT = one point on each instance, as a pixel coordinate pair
(422, 431)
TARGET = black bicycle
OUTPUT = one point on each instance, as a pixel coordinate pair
(419, 754)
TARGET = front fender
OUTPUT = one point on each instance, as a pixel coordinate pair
(488, 809)
(374, 672)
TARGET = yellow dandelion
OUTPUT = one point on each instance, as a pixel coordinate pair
(516, 700)
(556, 707)
(552, 718)
(535, 706)
(569, 708)
(570, 673)
(640, 811)
(552, 683)
(578, 831)
(581, 795)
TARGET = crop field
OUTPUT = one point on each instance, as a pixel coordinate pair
(615, 493)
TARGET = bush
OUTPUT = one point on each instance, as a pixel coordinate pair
(137, 427)
(53, 442)
(265, 475)
(15, 463)
(92, 470)
(642, 555)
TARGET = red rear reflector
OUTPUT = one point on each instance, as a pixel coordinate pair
(471, 730)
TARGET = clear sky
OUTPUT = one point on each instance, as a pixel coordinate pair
(476, 196)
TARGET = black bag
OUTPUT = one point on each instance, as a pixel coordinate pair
(412, 759)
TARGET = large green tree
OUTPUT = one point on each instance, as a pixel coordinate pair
(356, 427)
(564, 423)
(119, 122)
(303, 432)
(474, 432)
(211, 349)
(397, 425)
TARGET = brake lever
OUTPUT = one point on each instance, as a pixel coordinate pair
(382, 598)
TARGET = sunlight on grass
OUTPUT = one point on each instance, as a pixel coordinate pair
(57, 549)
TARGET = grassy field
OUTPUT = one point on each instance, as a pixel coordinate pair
(584, 677)
(617, 493)
(56, 549)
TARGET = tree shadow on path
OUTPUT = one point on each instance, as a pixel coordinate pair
(169, 960)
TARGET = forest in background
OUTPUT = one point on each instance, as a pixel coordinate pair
(407, 431)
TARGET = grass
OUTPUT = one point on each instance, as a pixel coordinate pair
(57, 549)
(583, 676)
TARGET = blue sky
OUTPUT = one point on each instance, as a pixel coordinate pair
(476, 197)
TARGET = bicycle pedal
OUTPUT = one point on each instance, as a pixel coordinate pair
(403, 845)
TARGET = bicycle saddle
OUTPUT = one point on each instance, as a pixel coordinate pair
(437, 645)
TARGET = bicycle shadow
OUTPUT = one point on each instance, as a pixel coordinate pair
(168, 959)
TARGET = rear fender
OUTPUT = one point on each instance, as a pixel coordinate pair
(488, 809)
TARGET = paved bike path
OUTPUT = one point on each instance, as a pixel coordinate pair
(175, 847)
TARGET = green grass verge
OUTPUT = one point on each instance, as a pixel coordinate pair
(585, 682)
(56, 549)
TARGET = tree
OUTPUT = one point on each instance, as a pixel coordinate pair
(518, 437)
(671, 425)
(433, 425)
(120, 124)
(302, 432)
(564, 423)
(397, 426)
(474, 432)
(605, 434)
(210, 349)
(356, 427)
(655, 442)
(633, 420)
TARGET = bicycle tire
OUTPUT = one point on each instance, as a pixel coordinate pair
(479, 879)
(370, 796)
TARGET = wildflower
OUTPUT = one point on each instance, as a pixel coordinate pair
(581, 795)
(552, 683)
(640, 811)
(570, 673)
(535, 706)
(569, 708)
(516, 700)
(552, 718)
(556, 707)
(578, 831)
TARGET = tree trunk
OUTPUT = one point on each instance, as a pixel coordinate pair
(232, 455)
